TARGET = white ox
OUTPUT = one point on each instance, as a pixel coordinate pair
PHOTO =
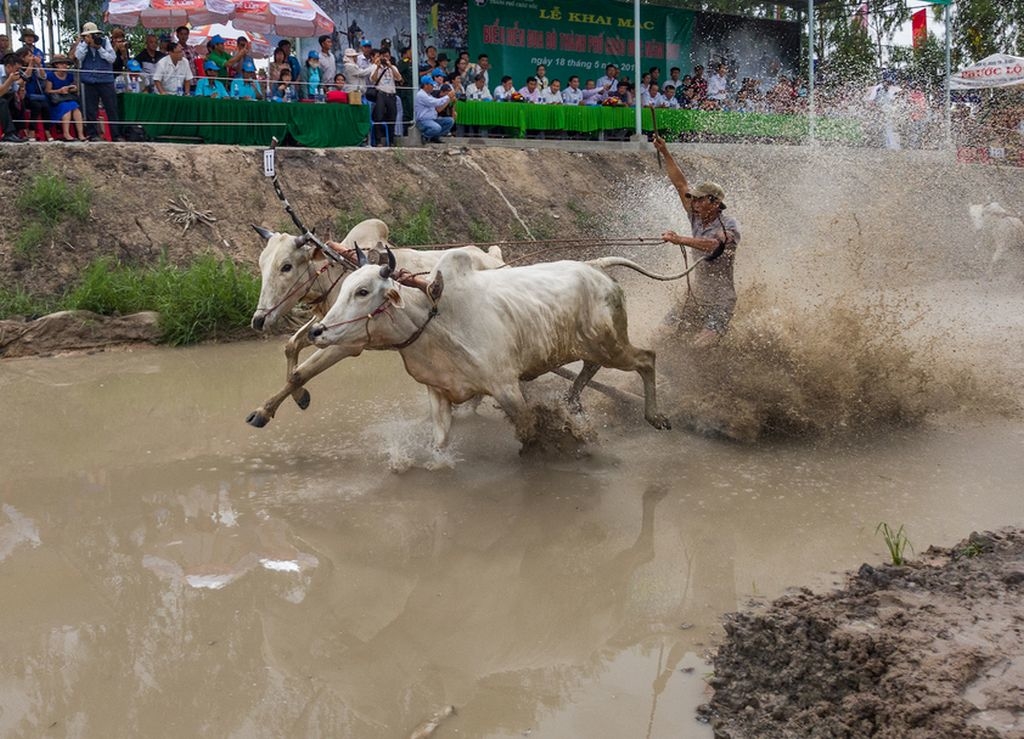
(295, 271)
(1001, 234)
(473, 332)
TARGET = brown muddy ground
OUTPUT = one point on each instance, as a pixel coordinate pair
(934, 648)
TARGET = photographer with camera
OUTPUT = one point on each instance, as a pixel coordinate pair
(96, 64)
(13, 79)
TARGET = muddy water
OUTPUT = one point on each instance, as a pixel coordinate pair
(166, 570)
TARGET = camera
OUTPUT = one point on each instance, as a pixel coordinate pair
(97, 38)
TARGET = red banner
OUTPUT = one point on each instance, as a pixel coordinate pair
(919, 28)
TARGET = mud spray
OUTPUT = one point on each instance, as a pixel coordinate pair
(859, 297)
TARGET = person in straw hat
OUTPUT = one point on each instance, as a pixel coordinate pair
(96, 64)
(710, 303)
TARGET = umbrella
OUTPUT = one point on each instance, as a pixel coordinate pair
(298, 18)
(261, 46)
(168, 13)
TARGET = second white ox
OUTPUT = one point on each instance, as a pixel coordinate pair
(294, 271)
(1000, 233)
(473, 332)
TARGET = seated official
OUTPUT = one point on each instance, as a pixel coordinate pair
(478, 89)
(573, 95)
(503, 92)
(246, 87)
(210, 86)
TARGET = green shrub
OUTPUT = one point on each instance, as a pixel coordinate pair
(346, 220)
(417, 229)
(17, 302)
(30, 238)
(49, 199)
(205, 300)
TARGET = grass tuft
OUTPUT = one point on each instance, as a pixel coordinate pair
(417, 229)
(895, 541)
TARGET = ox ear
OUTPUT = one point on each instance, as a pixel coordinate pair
(435, 288)
(394, 297)
(264, 233)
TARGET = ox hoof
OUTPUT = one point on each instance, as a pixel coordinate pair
(257, 419)
(303, 400)
(659, 421)
(574, 405)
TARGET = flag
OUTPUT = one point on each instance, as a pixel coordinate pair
(919, 28)
(860, 17)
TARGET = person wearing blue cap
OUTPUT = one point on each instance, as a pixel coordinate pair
(173, 74)
(210, 86)
(246, 87)
(134, 81)
(311, 76)
(425, 111)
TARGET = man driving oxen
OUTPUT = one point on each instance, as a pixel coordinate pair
(710, 303)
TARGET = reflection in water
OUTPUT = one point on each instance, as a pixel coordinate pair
(180, 573)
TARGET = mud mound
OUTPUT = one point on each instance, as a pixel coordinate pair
(74, 331)
(930, 649)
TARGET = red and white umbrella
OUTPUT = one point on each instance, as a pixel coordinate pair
(292, 18)
(261, 46)
(168, 13)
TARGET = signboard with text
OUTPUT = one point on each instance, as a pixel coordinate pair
(576, 37)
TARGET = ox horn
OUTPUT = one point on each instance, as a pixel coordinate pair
(387, 270)
(361, 259)
(302, 240)
(264, 233)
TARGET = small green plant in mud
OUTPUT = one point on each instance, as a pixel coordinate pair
(585, 221)
(47, 202)
(895, 541)
(972, 550)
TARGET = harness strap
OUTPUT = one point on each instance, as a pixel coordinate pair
(418, 332)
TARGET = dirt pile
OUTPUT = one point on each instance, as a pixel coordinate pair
(934, 648)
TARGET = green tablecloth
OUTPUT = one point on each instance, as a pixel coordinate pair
(247, 122)
(523, 117)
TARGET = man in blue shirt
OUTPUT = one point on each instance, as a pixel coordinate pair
(425, 108)
(96, 73)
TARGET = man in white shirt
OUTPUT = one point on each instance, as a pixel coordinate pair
(482, 66)
(328, 64)
(552, 94)
(572, 95)
(530, 92)
(503, 92)
(718, 85)
(478, 90)
(609, 84)
(670, 97)
(365, 58)
(173, 72)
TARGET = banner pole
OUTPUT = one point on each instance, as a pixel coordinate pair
(949, 102)
(810, 71)
(636, 72)
(7, 20)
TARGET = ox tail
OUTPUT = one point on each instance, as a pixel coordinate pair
(605, 262)
(495, 251)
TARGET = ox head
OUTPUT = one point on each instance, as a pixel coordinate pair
(287, 263)
(365, 296)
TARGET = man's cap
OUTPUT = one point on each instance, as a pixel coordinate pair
(218, 39)
(365, 42)
(426, 80)
(711, 189)
(349, 52)
(313, 55)
(211, 66)
(88, 28)
(60, 59)
(437, 72)
(134, 66)
(26, 32)
(248, 65)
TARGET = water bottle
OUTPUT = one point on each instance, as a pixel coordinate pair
(179, 90)
(319, 94)
(119, 85)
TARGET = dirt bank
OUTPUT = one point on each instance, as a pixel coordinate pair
(934, 648)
